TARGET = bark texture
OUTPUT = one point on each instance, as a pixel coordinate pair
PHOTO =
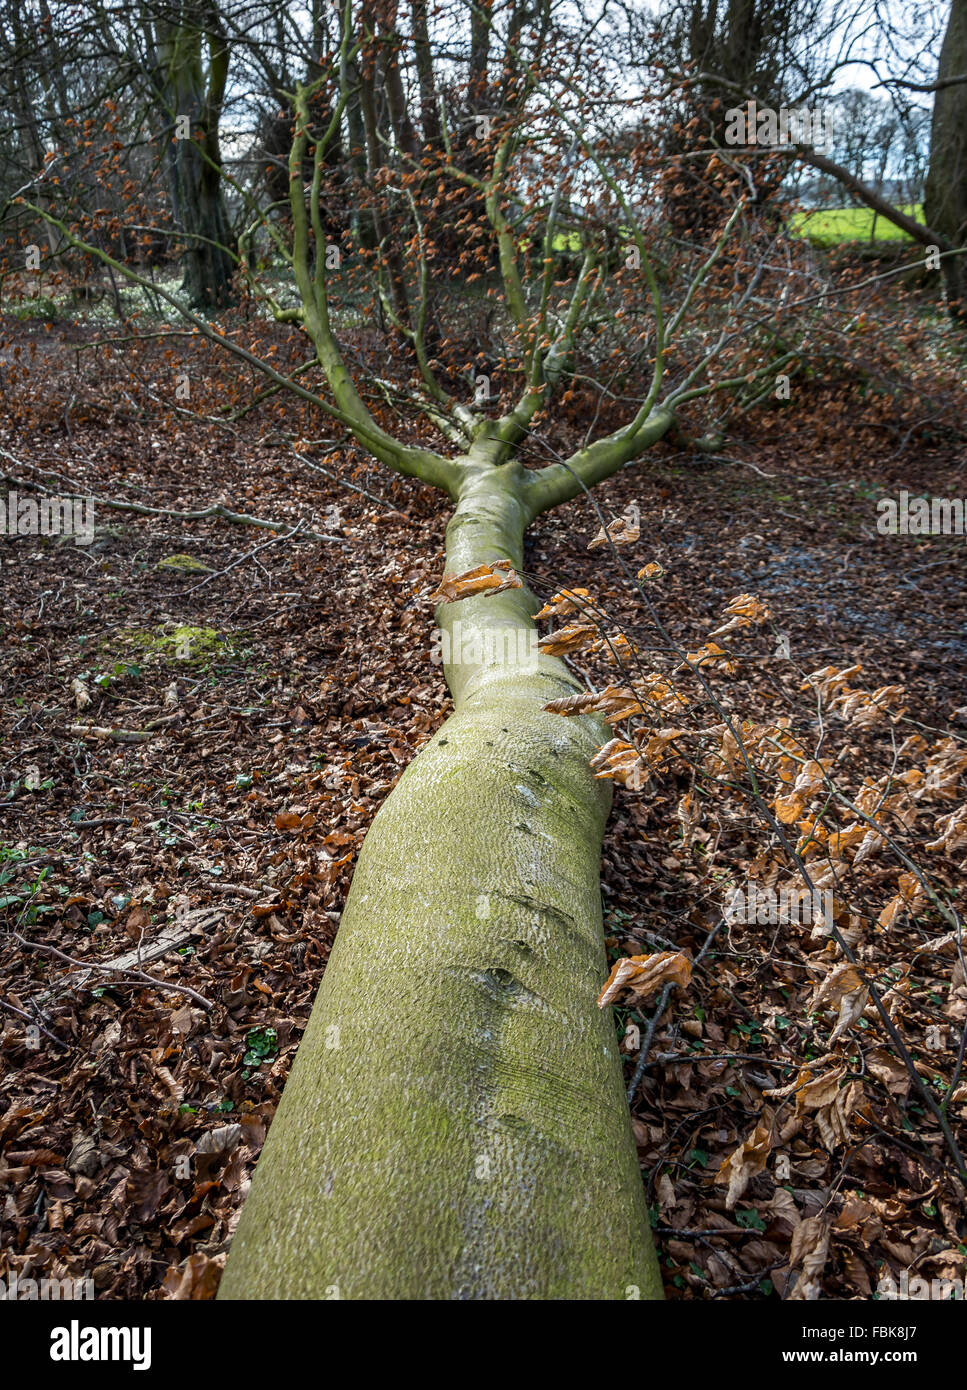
(194, 90)
(455, 1126)
(945, 195)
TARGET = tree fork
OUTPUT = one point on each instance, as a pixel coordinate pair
(455, 1126)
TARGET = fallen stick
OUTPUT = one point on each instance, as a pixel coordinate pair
(213, 512)
(115, 735)
(113, 968)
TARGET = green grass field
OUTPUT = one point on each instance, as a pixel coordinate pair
(836, 226)
(824, 227)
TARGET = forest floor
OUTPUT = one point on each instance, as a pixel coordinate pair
(276, 686)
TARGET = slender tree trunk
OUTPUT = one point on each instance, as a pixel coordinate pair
(194, 163)
(363, 223)
(24, 112)
(422, 53)
(455, 1125)
(403, 130)
(375, 162)
(480, 21)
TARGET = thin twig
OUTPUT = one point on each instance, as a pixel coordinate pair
(34, 1023)
(141, 975)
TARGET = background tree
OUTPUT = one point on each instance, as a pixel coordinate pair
(772, 52)
(918, 40)
(945, 198)
(188, 55)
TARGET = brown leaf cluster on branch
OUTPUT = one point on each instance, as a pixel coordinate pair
(615, 703)
(563, 603)
(482, 580)
(568, 640)
(742, 612)
(857, 707)
(624, 530)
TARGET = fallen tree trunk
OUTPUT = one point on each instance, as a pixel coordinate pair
(455, 1125)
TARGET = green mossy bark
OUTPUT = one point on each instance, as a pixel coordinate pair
(945, 193)
(455, 1126)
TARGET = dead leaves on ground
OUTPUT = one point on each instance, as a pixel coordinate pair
(830, 1110)
(133, 1122)
(742, 1165)
(638, 977)
(823, 1098)
(197, 1278)
(807, 1259)
(843, 989)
